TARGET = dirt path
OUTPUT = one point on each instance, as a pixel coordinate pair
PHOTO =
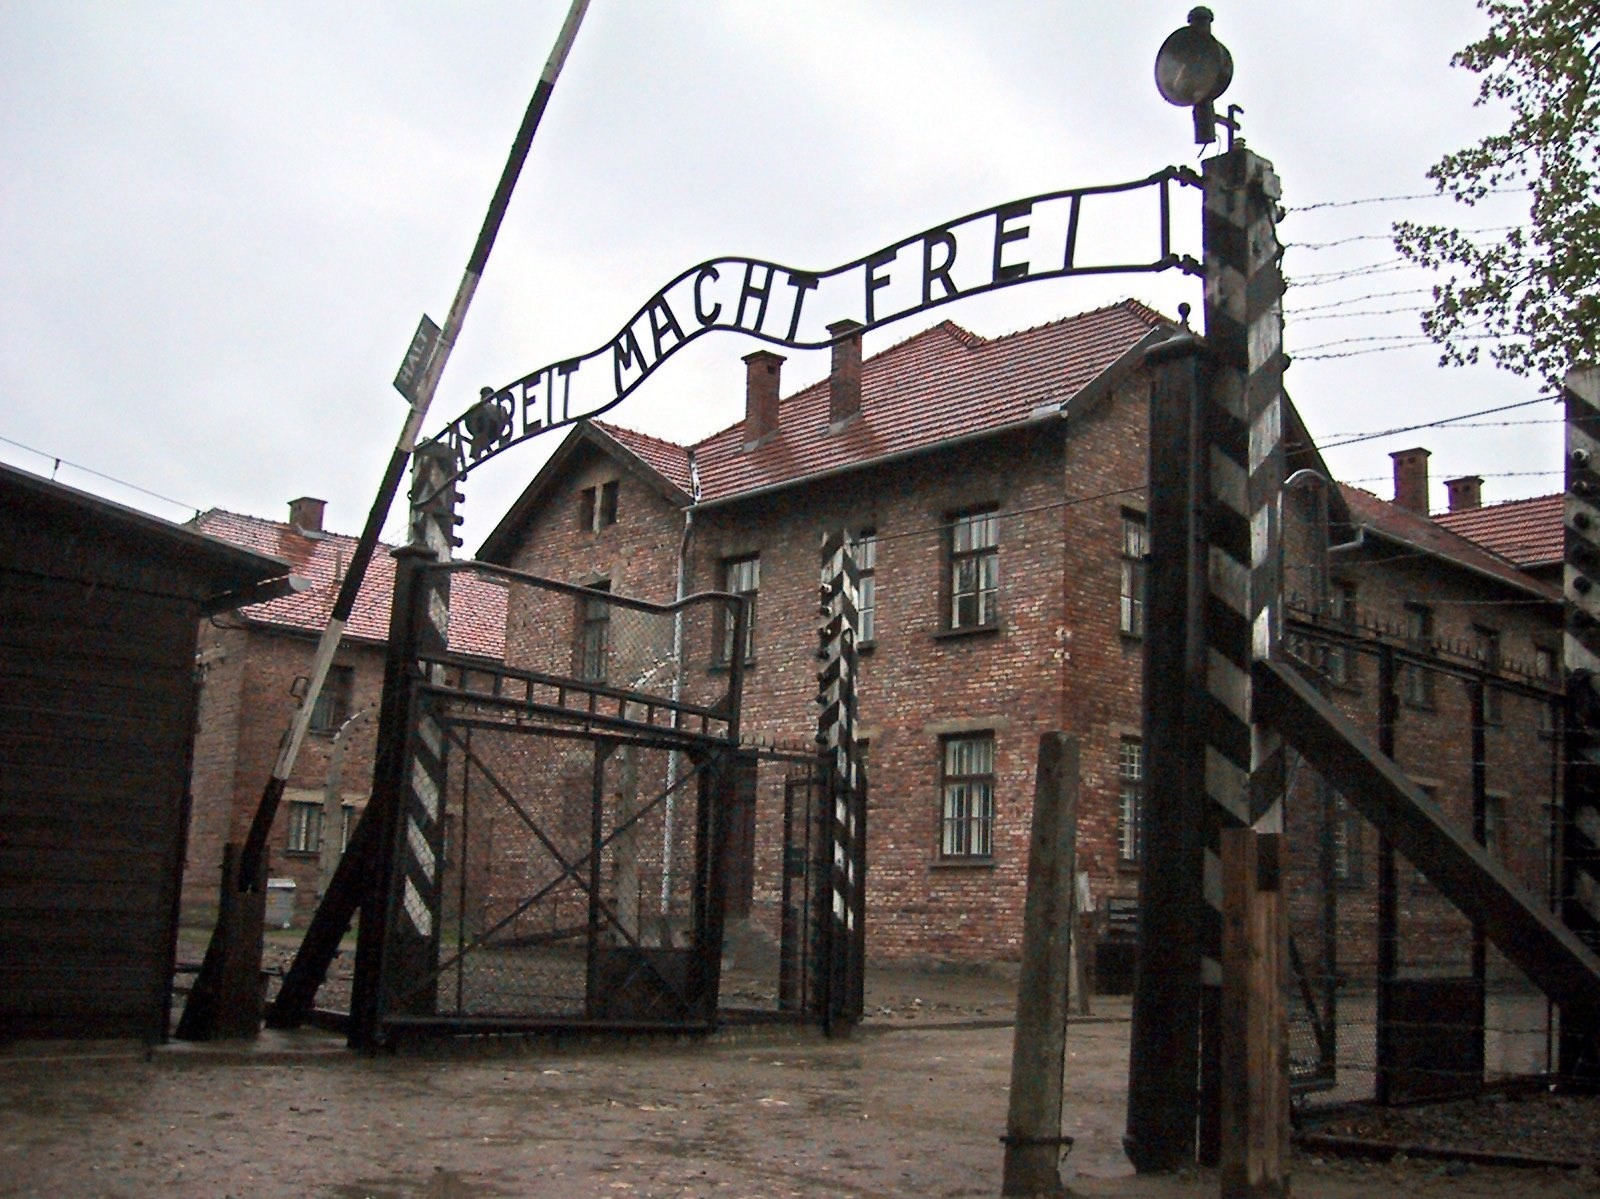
(911, 1106)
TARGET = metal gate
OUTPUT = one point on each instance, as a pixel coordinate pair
(556, 846)
(821, 962)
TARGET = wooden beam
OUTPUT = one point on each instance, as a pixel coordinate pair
(1514, 920)
(1033, 1137)
(1255, 1027)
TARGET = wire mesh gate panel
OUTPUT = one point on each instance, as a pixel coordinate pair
(1395, 995)
(583, 795)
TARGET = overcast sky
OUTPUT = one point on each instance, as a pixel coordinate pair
(222, 222)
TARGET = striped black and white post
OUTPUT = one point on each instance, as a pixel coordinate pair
(844, 816)
(1580, 825)
(1243, 459)
(419, 851)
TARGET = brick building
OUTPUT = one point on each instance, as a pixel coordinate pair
(1459, 617)
(250, 663)
(995, 487)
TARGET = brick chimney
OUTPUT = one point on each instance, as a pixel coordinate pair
(761, 395)
(1411, 479)
(844, 383)
(305, 514)
(1465, 492)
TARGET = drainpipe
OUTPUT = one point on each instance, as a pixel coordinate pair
(677, 694)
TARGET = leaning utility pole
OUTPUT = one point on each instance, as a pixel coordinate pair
(417, 381)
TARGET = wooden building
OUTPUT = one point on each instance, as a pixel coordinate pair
(100, 607)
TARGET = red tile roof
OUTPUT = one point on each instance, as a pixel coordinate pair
(1529, 532)
(940, 384)
(1401, 524)
(477, 609)
(667, 458)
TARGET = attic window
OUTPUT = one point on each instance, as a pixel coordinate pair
(597, 507)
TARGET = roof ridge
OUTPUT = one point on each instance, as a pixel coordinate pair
(606, 426)
(267, 521)
(1527, 499)
(1129, 304)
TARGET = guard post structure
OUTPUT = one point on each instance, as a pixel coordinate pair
(1241, 436)
(1578, 837)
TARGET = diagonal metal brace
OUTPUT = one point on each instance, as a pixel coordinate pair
(1513, 919)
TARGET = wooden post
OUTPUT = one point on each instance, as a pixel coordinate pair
(1163, 1057)
(1033, 1137)
(228, 995)
(1255, 1032)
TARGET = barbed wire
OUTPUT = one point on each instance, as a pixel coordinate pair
(1434, 195)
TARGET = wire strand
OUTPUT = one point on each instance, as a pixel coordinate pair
(89, 470)
(1434, 195)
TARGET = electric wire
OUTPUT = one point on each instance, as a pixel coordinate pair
(89, 470)
(1433, 424)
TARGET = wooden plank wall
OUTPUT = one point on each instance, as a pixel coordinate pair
(96, 718)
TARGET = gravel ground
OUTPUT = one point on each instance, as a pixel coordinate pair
(912, 1106)
(1538, 1124)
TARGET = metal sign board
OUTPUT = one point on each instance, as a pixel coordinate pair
(418, 355)
(1079, 231)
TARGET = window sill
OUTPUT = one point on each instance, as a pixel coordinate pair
(1130, 635)
(979, 630)
(302, 853)
(722, 667)
(973, 863)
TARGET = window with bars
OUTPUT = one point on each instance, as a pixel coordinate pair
(332, 708)
(1416, 680)
(973, 546)
(1339, 661)
(1130, 814)
(1346, 838)
(594, 633)
(1544, 666)
(305, 827)
(1494, 824)
(1135, 555)
(740, 576)
(1486, 643)
(866, 547)
(966, 826)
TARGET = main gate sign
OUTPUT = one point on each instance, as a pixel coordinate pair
(1011, 243)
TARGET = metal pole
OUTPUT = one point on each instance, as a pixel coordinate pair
(437, 353)
(366, 544)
